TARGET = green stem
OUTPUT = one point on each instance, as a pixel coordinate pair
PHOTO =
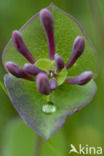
(38, 146)
(48, 98)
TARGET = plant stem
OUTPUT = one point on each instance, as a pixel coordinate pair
(38, 146)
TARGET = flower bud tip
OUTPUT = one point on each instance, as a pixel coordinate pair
(47, 22)
(79, 44)
(20, 46)
(78, 48)
(59, 62)
(43, 84)
(15, 70)
(81, 79)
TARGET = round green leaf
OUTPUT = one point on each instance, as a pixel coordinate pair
(46, 64)
(28, 102)
(61, 76)
(66, 29)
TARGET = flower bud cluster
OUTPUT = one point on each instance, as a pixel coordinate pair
(45, 81)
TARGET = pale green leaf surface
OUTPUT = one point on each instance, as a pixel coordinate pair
(61, 76)
(46, 64)
(28, 102)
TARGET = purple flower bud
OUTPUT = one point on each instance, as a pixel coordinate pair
(15, 70)
(81, 79)
(53, 84)
(78, 48)
(21, 47)
(32, 69)
(43, 84)
(47, 22)
(59, 62)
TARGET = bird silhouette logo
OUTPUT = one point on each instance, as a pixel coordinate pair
(73, 149)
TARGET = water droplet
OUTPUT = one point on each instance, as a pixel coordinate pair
(49, 108)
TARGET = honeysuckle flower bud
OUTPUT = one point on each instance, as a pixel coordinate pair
(15, 70)
(43, 84)
(53, 84)
(21, 47)
(59, 62)
(78, 48)
(47, 22)
(31, 69)
(81, 79)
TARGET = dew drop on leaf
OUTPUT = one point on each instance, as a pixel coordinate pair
(49, 108)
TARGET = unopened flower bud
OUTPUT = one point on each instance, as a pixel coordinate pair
(21, 47)
(81, 79)
(59, 62)
(15, 70)
(53, 84)
(47, 22)
(78, 48)
(32, 69)
(43, 84)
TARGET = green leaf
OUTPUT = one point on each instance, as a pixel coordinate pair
(61, 76)
(28, 102)
(66, 29)
(46, 64)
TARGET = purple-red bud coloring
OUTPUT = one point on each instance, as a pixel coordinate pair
(78, 48)
(31, 69)
(47, 22)
(53, 84)
(15, 70)
(21, 47)
(43, 84)
(81, 79)
(59, 62)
